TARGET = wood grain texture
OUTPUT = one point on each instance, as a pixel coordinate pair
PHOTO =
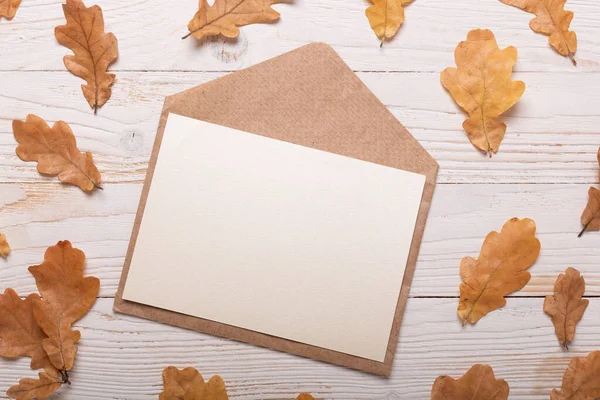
(543, 170)
(552, 136)
(122, 357)
(150, 31)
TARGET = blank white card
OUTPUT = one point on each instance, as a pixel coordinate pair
(274, 237)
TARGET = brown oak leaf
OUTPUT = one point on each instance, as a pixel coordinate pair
(8, 8)
(34, 389)
(4, 247)
(581, 380)
(552, 20)
(188, 384)
(499, 270)
(479, 383)
(55, 151)
(590, 218)
(567, 305)
(482, 86)
(19, 332)
(224, 17)
(385, 17)
(93, 50)
(67, 296)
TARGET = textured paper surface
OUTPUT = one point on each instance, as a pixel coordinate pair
(275, 237)
(310, 97)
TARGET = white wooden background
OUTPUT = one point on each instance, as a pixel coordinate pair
(543, 170)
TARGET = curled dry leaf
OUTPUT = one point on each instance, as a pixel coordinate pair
(552, 20)
(67, 296)
(581, 380)
(93, 50)
(499, 270)
(34, 389)
(55, 151)
(590, 218)
(482, 86)
(386, 16)
(567, 305)
(224, 17)
(188, 384)
(479, 383)
(4, 247)
(8, 8)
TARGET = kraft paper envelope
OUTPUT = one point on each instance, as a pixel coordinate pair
(307, 97)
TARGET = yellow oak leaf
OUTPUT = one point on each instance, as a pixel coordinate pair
(482, 86)
(224, 17)
(478, 383)
(552, 20)
(35, 389)
(581, 380)
(566, 306)
(4, 247)
(55, 151)
(20, 334)
(93, 50)
(8, 8)
(67, 296)
(590, 218)
(385, 17)
(499, 270)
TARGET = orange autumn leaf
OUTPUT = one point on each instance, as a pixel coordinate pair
(20, 335)
(552, 20)
(8, 8)
(478, 383)
(67, 296)
(581, 380)
(35, 389)
(188, 384)
(385, 17)
(499, 270)
(224, 17)
(4, 247)
(93, 50)
(482, 86)
(590, 218)
(566, 306)
(55, 151)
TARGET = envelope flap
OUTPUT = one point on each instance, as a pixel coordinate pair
(308, 97)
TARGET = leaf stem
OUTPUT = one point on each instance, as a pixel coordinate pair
(572, 59)
(584, 228)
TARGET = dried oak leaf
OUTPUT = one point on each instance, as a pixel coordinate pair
(93, 50)
(30, 389)
(4, 247)
(552, 20)
(590, 218)
(567, 305)
(55, 151)
(581, 380)
(385, 17)
(482, 86)
(8, 8)
(224, 17)
(67, 296)
(188, 384)
(478, 383)
(499, 270)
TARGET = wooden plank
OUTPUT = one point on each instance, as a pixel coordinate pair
(149, 34)
(35, 216)
(122, 357)
(552, 133)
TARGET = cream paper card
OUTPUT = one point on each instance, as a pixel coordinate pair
(274, 237)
